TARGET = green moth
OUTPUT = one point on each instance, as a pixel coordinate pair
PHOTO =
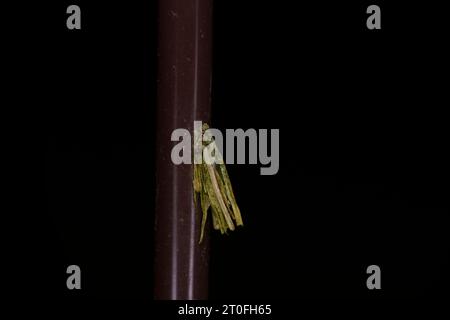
(212, 189)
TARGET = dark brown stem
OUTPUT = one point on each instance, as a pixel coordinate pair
(184, 80)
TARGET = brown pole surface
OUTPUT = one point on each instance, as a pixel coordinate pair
(184, 88)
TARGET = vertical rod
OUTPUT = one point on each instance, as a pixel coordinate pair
(184, 89)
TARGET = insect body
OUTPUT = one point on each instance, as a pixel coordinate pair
(212, 187)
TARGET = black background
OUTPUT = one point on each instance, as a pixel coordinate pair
(363, 173)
